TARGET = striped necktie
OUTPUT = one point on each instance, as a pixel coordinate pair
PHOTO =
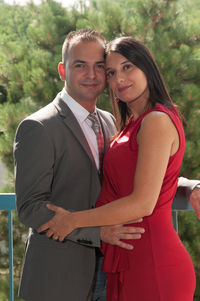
(99, 135)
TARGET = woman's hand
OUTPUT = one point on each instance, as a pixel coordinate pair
(60, 225)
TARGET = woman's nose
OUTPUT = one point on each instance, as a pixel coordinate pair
(119, 77)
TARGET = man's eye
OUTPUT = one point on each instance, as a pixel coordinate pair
(101, 66)
(79, 66)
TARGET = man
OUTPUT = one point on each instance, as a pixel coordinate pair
(57, 161)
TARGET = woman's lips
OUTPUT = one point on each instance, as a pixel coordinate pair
(122, 89)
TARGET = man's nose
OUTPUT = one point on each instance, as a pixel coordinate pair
(91, 72)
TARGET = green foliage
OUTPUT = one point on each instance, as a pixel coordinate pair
(3, 94)
(30, 56)
(31, 39)
(11, 115)
(19, 236)
(167, 29)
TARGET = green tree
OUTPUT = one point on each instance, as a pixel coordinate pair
(3, 94)
(31, 40)
(14, 21)
(31, 53)
(165, 27)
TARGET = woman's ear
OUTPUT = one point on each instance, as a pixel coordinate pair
(61, 71)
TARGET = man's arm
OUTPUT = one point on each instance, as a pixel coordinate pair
(188, 190)
(34, 161)
(195, 201)
(34, 157)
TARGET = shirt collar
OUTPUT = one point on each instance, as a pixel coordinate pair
(80, 112)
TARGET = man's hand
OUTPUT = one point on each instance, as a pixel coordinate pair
(195, 201)
(59, 226)
(113, 234)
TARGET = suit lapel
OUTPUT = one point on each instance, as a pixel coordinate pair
(71, 122)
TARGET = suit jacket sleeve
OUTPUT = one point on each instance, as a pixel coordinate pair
(33, 154)
(86, 236)
(34, 162)
(185, 187)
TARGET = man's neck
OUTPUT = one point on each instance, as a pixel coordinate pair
(88, 104)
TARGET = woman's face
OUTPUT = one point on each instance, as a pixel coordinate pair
(127, 81)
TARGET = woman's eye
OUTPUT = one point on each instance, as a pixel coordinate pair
(109, 74)
(126, 67)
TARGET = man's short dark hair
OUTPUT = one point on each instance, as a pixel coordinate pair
(84, 35)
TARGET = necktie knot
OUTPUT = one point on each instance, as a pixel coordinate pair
(95, 123)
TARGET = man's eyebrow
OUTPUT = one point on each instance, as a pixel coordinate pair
(78, 61)
(100, 62)
(84, 62)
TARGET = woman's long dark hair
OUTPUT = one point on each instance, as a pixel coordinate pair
(138, 54)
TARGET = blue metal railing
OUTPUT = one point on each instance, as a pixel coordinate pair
(7, 202)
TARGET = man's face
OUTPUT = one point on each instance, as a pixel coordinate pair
(85, 71)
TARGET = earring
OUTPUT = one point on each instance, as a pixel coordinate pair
(117, 99)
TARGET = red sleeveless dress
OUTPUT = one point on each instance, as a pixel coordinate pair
(159, 267)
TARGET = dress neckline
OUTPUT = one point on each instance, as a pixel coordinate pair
(131, 121)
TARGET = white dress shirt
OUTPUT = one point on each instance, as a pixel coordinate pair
(81, 115)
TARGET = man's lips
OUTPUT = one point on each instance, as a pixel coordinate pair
(122, 89)
(90, 85)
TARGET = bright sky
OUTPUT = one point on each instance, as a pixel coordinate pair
(65, 3)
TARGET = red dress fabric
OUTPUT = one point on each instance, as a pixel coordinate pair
(159, 267)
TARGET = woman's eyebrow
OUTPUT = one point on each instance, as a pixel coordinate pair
(124, 62)
(120, 64)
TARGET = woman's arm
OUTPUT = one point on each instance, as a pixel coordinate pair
(157, 140)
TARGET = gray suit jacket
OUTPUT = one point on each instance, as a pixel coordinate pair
(53, 163)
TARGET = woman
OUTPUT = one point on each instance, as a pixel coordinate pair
(141, 171)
